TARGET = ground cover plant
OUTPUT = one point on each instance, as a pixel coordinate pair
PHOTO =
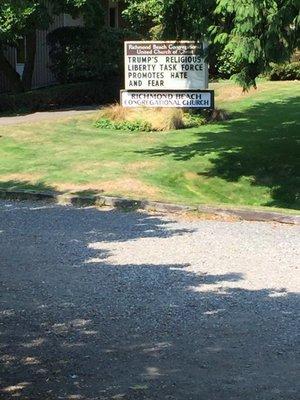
(250, 160)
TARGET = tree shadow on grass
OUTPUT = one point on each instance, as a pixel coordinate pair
(40, 187)
(19, 185)
(261, 143)
(77, 322)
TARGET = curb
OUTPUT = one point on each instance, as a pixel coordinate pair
(134, 205)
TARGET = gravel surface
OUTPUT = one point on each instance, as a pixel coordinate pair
(111, 305)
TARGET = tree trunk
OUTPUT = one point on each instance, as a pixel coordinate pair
(10, 73)
(30, 60)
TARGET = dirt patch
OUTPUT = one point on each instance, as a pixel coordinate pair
(140, 165)
(230, 92)
(130, 185)
(200, 216)
(21, 134)
(130, 168)
(21, 177)
(125, 186)
(191, 175)
(87, 166)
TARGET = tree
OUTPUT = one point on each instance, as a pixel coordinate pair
(145, 16)
(259, 32)
(254, 32)
(22, 18)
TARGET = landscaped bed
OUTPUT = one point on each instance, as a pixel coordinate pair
(252, 159)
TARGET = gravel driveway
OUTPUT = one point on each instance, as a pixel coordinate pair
(110, 305)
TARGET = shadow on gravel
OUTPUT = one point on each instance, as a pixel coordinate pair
(74, 326)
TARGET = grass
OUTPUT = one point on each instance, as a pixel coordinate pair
(250, 160)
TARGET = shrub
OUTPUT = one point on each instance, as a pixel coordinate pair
(285, 72)
(75, 94)
(193, 120)
(147, 119)
(226, 65)
(116, 113)
(133, 126)
(162, 119)
(81, 54)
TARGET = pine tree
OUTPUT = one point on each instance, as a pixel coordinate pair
(254, 32)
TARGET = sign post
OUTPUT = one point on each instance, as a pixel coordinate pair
(166, 74)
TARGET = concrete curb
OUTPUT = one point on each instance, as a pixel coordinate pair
(130, 204)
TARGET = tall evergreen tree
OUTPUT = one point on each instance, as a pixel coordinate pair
(254, 32)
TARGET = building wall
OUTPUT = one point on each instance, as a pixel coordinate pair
(42, 75)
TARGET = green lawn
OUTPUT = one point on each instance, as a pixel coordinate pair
(250, 160)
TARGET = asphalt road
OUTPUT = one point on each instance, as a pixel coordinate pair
(111, 305)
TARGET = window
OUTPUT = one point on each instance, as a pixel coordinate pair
(113, 14)
(20, 56)
(113, 17)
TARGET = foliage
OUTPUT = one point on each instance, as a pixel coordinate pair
(254, 33)
(285, 72)
(18, 17)
(80, 53)
(53, 97)
(192, 120)
(145, 17)
(259, 33)
(22, 18)
(132, 126)
(225, 65)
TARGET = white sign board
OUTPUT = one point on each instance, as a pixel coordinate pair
(186, 99)
(165, 66)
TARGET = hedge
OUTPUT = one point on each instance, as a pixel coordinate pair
(68, 95)
(83, 54)
(285, 72)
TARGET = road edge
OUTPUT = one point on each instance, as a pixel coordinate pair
(123, 203)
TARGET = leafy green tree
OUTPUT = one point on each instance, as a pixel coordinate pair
(254, 32)
(22, 18)
(145, 16)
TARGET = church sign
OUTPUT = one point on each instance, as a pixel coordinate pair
(177, 99)
(166, 74)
